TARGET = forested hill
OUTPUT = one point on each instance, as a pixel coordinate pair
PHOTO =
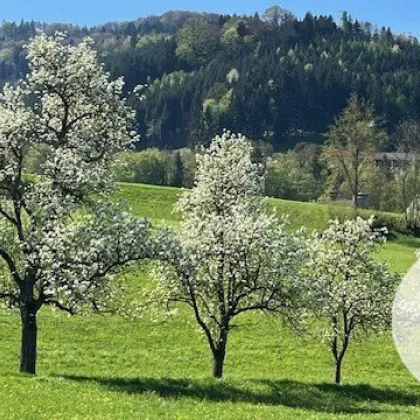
(272, 77)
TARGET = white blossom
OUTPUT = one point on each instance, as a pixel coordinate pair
(345, 286)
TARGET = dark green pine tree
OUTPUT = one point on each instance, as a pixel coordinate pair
(178, 179)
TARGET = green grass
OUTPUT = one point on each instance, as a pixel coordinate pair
(156, 203)
(109, 368)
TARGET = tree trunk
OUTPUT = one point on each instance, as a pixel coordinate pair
(355, 202)
(29, 338)
(219, 354)
(218, 362)
(338, 364)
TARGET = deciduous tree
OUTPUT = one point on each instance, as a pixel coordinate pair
(230, 256)
(352, 142)
(197, 42)
(276, 15)
(346, 287)
(60, 240)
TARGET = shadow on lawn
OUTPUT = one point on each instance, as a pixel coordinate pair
(317, 397)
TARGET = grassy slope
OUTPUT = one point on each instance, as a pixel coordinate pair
(108, 368)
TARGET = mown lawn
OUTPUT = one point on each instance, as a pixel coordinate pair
(109, 368)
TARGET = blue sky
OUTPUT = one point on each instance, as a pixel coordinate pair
(403, 16)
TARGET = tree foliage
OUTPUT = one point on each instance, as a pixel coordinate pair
(146, 167)
(197, 42)
(296, 175)
(230, 256)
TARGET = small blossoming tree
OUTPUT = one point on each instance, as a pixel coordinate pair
(230, 256)
(61, 242)
(346, 287)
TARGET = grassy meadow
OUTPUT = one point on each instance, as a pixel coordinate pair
(102, 367)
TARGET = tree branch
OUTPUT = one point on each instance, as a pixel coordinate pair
(12, 267)
(60, 306)
(75, 120)
(8, 295)
(8, 217)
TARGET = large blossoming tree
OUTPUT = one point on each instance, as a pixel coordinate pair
(60, 240)
(347, 288)
(231, 256)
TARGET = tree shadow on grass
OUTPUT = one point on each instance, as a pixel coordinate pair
(350, 399)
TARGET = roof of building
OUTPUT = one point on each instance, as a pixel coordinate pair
(395, 156)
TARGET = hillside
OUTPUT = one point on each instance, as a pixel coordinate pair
(109, 368)
(157, 203)
(273, 77)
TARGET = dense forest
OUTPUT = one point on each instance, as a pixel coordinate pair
(272, 77)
